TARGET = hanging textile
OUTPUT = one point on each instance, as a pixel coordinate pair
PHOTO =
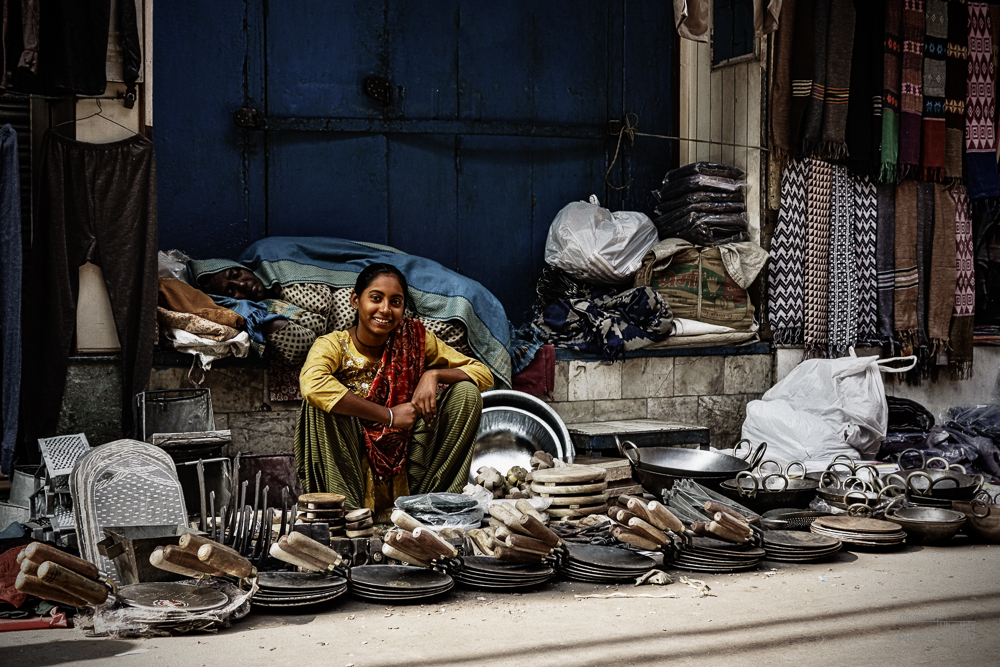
(864, 240)
(892, 47)
(960, 335)
(765, 16)
(957, 67)
(817, 260)
(812, 123)
(781, 88)
(942, 277)
(864, 107)
(912, 100)
(692, 19)
(935, 48)
(885, 260)
(925, 232)
(905, 271)
(982, 179)
(840, 45)
(10, 288)
(788, 256)
(803, 53)
(842, 325)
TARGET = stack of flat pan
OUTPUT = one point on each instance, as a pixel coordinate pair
(603, 565)
(323, 508)
(574, 490)
(398, 583)
(489, 574)
(794, 546)
(705, 554)
(859, 531)
(297, 589)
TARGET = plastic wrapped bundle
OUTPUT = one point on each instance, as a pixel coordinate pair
(699, 183)
(704, 169)
(703, 198)
(706, 229)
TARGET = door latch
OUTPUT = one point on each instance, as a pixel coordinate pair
(379, 89)
(248, 118)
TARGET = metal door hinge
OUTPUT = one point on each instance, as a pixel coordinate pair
(248, 118)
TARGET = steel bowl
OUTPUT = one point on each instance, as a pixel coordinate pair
(927, 525)
(537, 407)
(981, 519)
(508, 437)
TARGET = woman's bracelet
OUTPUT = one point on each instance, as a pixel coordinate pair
(390, 418)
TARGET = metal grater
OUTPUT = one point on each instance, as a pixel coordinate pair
(60, 453)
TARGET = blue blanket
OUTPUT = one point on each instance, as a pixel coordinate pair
(437, 292)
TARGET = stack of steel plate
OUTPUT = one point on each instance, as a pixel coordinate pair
(297, 589)
(398, 583)
(704, 554)
(603, 565)
(793, 546)
(484, 573)
(860, 531)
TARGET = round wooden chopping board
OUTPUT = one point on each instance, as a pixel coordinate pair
(583, 511)
(568, 475)
(579, 501)
(552, 489)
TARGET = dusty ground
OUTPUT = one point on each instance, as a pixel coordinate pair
(919, 606)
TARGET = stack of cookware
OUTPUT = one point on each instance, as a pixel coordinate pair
(659, 467)
(398, 583)
(926, 525)
(793, 546)
(323, 508)
(489, 574)
(603, 565)
(859, 531)
(706, 554)
(296, 589)
(762, 491)
(574, 490)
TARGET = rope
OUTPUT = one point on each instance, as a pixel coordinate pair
(629, 129)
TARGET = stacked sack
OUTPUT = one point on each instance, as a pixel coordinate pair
(703, 203)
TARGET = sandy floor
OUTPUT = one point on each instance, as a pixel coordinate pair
(919, 606)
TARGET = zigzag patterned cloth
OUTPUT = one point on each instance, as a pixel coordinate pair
(788, 256)
(817, 260)
(864, 217)
(842, 321)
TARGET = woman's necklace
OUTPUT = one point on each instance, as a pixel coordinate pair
(357, 339)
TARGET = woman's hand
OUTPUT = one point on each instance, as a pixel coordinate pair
(425, 395)
(404, 415)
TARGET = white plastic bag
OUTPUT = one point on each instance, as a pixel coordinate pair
(823, 408)
(173, 264)
(594, 245)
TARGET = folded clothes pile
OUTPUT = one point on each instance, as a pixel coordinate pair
(703, 203)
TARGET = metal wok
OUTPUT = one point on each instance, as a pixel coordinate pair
(950, 482)
(659, 467)
(761, 496)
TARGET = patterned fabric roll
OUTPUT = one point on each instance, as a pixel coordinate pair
(842, 324)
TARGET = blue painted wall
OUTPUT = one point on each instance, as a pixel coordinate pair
(478, 204)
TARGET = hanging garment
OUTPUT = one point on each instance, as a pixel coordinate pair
(817, 261)
(97, 203)
(980, 105)
(781, 87)
(912, 101)
(885, 260)
(788, 256)
(864, 240)
(812, 122)
(935, 48)
(10, 289)
(905, 261)
(22, 19)
(864, 107)
(839, 47)
(892, 68)
(693, 18)
(957, 68)
(843, 319)
(942, 276)
(925, 234)
(960, 336)
(803, 53)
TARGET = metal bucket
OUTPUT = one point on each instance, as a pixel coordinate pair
(24, 484)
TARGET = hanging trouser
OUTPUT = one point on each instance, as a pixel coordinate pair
(10, 291)
(330, 458)
(97, 203)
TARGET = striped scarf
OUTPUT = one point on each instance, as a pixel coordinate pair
(912, 102)
(905, 261)
(935, 48)
(812, 122)
(839, 47)
(788, 256)
(842, 299)
(781, 87)
(891, 85)
(817, 259)
(942, 276)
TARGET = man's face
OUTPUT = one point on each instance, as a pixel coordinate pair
(237, 283)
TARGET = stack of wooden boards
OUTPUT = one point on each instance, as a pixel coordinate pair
(574, 490)
(323, 508)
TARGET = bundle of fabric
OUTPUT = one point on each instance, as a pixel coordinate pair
(703, 203)
(692, 333)
(609, 323)
(908, 416)
(191, 322)
(707, 284)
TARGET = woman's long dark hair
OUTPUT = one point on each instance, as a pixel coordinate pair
(373, 271)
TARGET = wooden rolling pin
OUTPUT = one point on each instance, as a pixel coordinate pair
(529, 544)
(508, 555)
(434, 543)
(628, 537)
(223, 559)
(21, 555)
(700, 528)
(73, 583)
(622, 515)
(405, 542)
(482, 541)
(539, 530)
(647, 530)
(315, 549)
(40, 553)
(663, 518)
(32, 585)
(405, 521)
(392, 552)
(624, 498)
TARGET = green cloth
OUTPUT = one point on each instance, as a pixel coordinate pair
(328, 450)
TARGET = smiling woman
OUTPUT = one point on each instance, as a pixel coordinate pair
(373, 425)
